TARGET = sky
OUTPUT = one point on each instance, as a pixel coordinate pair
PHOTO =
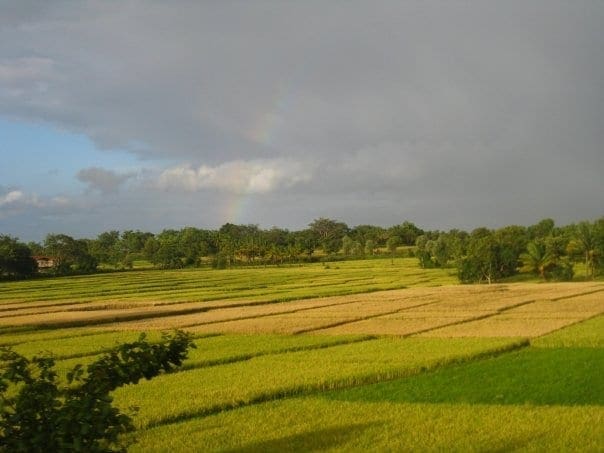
(151, 115)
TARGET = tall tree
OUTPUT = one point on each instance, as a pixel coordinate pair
(329, 233)
(589, 241)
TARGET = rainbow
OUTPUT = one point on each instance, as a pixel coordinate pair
(235, 207)
(268, 122)
(262, 131)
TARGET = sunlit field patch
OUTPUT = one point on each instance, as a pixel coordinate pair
(272, 345)
(207, 390)
(272, 283)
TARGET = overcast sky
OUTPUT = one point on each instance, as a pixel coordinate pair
(153, 114)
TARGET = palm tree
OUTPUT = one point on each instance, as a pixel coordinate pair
(537, 259)
(586, 237)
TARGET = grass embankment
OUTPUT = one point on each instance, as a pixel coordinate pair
(548, 397)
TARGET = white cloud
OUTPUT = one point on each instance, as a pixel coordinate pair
(253, 177)
(16, 201)
(11, 197)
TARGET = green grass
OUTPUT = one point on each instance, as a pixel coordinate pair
(587, 334)
(546, 398)
(79, 346)
(253, 284)
(207, 390)
(36, 334)
(535, 376)
(318, 424)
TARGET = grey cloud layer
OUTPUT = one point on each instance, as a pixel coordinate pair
(493, 107)
(101, 179)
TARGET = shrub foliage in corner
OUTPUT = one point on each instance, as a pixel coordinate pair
(38, 414)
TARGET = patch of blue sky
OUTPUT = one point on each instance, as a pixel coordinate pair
(39, 158)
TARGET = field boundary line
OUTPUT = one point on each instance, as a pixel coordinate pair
(245, 357)
(159, 314)
(587, 293)
(296, 310)
(365, 318)
(475, 318)
(578, 321)
(417, 332)
(338, 384)
(83, 334)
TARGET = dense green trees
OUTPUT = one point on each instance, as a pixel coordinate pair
(484, 255)
(69, 254)
(15, 259)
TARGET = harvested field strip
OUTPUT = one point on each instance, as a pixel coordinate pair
(536, 319)
(278, 324)
(365, 306)
(589, 303)
(386, 325)
(229, 314)
(406, 326)
(498, 327)
(70, 316)
(314, 310)
(444, 298)
(276, 376)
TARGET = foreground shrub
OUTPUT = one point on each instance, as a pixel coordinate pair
(37, 414)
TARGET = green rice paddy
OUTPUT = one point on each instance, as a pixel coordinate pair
(318, 392)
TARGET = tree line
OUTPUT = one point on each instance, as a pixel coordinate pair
(482, 255)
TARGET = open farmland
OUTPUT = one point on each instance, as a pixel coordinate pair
(370, 365)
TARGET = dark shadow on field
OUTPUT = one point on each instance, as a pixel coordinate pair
(565, 376)
(318, 440)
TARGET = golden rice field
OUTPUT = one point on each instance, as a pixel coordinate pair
(369, 356)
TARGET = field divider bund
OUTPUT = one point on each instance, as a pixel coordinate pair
(578, 321)
(472, 319)
(244, 357)
(338, 384)
(401, 310)
(586, 293)
(295, 310)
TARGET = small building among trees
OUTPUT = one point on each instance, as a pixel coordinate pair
(44, 262)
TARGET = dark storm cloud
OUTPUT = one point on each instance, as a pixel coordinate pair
(447, 113)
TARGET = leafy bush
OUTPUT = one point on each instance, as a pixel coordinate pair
(37, 414)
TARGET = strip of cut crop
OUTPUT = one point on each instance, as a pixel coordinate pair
(386, 299)
(502, 327)
(280, 324)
